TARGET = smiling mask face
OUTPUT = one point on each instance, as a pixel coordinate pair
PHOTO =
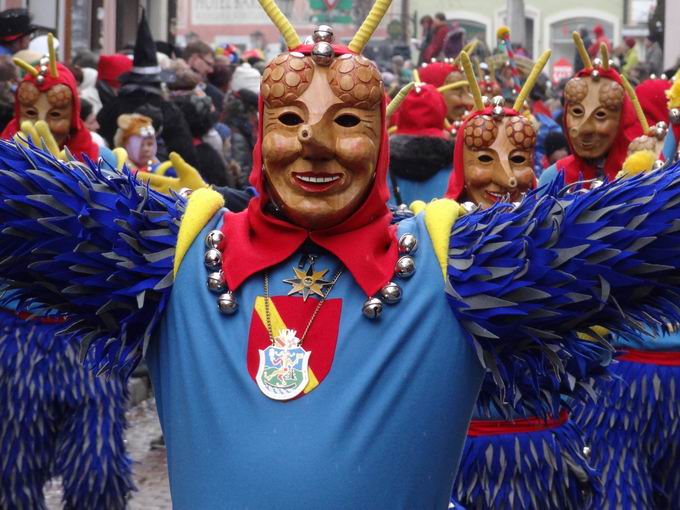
(322, 133)
(593, 115)
(55, 106)
(498, 159)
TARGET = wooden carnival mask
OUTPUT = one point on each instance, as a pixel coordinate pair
(55, 106)
(498, 144)
(498, 159)
(457, 95)
(593, 115)
(321, 133)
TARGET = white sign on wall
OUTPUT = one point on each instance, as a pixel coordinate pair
(227, 12)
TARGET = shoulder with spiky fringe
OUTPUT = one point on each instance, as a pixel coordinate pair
(90, 242)
(523, 279)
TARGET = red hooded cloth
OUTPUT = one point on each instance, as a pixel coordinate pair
(574, 167)
(423, 113)
(79, 141)
(652, 97)
(435, 73)
(365, 242)
(456, 185)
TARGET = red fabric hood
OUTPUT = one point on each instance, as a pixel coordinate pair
(422, 113)
(652, 97)
(435, 73)
(456, 185)
(365, 242)
(576, 168)
(79, 141)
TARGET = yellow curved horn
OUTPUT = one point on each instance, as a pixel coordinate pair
(375, 16)
(470, 47)
(28, 68)
(290, 36)
(53, 56)
(531, 80)
(472, 81)
(581, 48)
(604, 51)
(636, 105)
(455, 85)
(416, 76)
(398, 99)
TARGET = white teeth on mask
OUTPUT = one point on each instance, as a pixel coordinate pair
(318, 180)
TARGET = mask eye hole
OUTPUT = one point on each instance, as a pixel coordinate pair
(485, 158)
(518, 159)
(601, 115)
(347, 120)
(290, 119)
(577, 111)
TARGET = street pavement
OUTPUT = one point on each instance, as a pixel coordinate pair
(150, 467)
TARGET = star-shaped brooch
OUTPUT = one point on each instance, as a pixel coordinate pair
(307, 283)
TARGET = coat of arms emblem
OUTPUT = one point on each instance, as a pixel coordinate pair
(283, 370)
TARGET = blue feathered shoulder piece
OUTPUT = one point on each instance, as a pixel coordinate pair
(525, 280)
(90, 242)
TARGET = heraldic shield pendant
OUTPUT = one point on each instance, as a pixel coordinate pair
(284, 367)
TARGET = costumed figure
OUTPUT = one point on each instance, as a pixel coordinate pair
(633, 425)
(518, 454)
(56, 417)
(599, 122)
(421, 150)
(140, 92)
(48, 92)
(137, 136)
(393, 326)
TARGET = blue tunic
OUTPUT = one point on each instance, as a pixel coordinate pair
(434, 187)
(385, 428)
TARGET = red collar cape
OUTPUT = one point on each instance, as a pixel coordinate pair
(456, 185)
(576, 168)
(79, 141)
(365, 242)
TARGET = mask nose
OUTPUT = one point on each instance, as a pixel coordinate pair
(507, 178)
(315, 144)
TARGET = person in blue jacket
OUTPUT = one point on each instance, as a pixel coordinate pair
(307, 351)
(421, 150)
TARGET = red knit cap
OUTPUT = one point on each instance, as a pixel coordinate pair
(110, 67)
(422, 113)
(435, 73)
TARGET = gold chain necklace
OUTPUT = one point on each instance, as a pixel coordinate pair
(316, 310)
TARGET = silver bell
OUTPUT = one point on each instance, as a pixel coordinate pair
(185, 192)
(498, 101)
(469, 207)
(597, 63)
(227, 303)
(323, 33)
(660, 130)
(216, 282)
(309, 40)
(322, 53)
(213, 259)
(595, 75)
(214, 238)
(405, 267)
(408, 244)
(391, 293)
(372, 308)
(43, 69)
(658, 165)
(586, 452)
(497, 111)
(675, 115)
(40, 79)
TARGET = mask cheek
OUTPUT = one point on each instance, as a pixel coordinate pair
(358, 153)
(280, 148)
(60, 127)
(476, 175)
(525, 178)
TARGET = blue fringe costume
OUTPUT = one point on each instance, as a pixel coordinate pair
(58, 419)
(520, 280)
(633, 429)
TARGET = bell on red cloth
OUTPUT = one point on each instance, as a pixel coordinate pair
(422, 113)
